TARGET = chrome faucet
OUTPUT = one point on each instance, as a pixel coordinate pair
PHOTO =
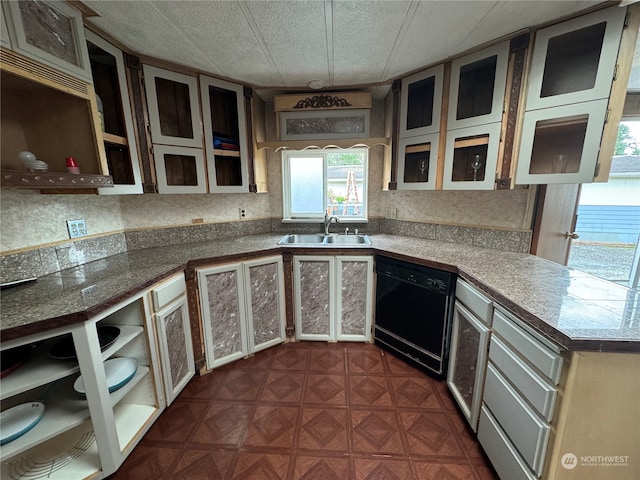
(327, 221)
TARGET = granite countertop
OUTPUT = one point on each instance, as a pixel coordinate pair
(573, 309)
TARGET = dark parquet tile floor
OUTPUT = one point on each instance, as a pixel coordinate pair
(312, 411)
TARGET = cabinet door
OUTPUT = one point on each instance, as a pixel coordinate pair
(179, 169)
(264, 284)
(312, 277)
(478, 83)
(5, 41)
(418, 162)
(561, 144)
(574, 61)
(50, 32)
(223, 313)
(176, 349)
(471, 158)
(354, 298)
(468, 362)
(225, 135)
(421, 102)
(174, 111)
(110, 83)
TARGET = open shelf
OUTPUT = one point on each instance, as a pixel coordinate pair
(226, 153)
(65, 410)
(24, 179)
(116, 139)
(131, 420)
(128, 333)
(73, 454)
(39, 370)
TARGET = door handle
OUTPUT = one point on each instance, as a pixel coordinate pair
(571, 235)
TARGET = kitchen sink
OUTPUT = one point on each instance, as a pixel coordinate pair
(348, 239)
(320, 240)
(306, 238)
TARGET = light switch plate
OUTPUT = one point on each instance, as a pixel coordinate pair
(77, 228)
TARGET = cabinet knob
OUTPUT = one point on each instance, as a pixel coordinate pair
(571, 235)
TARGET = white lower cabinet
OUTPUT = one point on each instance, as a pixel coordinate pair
(242, 306)
(83, 436)
(174, 335)
(333, 297)
(519, 398)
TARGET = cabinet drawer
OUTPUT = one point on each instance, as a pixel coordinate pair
(504, 457)
(537, 392)
(528, 433)
(531, 349)
(480, 305)
(166, 293)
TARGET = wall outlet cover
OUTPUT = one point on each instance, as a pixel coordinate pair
(77, 228)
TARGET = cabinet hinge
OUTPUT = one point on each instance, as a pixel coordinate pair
(606, 117)
(615, 72)
(596, 171)
(626, 21)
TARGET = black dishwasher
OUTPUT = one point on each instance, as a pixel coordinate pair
(414, 311)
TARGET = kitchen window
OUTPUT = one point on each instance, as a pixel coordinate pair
(318, 182)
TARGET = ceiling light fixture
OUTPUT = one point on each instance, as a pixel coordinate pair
(316, 84)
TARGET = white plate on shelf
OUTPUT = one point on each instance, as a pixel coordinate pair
(18, 420)
(118, 372)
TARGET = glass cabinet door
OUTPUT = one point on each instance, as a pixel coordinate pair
(471, 158)
(561, 145)
(174, 110)
(417, 162)
(225, 135)
(574, 61)
(179, 169)
(51, 32)
(421, 102)
(478, 83)
(110, 84)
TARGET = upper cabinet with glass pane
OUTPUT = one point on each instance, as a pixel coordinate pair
(225, 135)
(421, 102)
(174, 110)
(50, 32)
(110, 84)
(574, 61)
(478, 82)
(575, 68)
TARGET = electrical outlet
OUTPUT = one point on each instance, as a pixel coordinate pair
(243, 213)
(391, 213)
(77, 228)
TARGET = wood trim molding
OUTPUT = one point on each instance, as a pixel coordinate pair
(396, 88)
(321, 101)
(134, 75)
(518, 47)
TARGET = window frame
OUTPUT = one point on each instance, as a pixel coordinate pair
(319, 216)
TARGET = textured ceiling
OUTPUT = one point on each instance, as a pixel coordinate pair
(285, 44)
